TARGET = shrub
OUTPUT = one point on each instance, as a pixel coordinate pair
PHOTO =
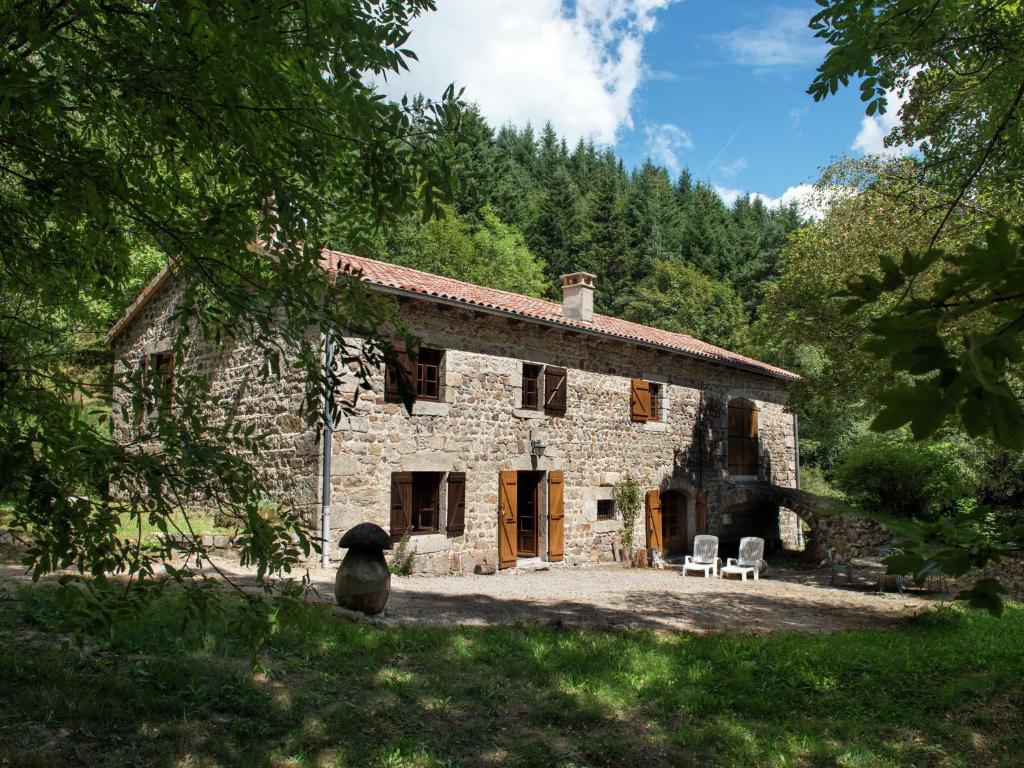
(627, 502)
(902, 479)
(401, 560)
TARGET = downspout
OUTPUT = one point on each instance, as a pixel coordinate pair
(796, 445)
(325, 494)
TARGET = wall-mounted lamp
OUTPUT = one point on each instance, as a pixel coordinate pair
(537, 448)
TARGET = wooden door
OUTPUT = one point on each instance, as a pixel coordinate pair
(507, 502)
(528, 515)
(556, 515)
(653, 507)
(673, 520)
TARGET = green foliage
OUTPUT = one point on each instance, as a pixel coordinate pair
(678, 297)
(402, 559)
(966, 377)
(628, 500)
(903, 479)
(138, 134)
(487, 252)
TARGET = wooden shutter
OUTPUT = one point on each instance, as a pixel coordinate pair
(639, 400)
(556, 515)
(702, 511)
(167, 382)
(456, 524)
(401, 503)
(555, 390)
(653, 505)
(406, 370)
(142, 396)
(507, 501)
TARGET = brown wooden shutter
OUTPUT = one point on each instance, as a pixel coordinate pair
(406, 370)
(142, 398)
(653, 505)
(555, 388)
(639, 400)
(507, 502)
(168, 382)
(556, 515)
(702, 511)
(456, 524)
(401, 503)
(743, 441)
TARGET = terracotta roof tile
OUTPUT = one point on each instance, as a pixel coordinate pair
(411, 280)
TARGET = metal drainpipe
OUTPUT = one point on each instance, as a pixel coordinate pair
(796, 444)
(325, 494)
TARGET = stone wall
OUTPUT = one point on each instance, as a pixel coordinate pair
(290, 463)
(481, 430)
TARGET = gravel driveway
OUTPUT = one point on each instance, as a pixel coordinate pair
(618, 598)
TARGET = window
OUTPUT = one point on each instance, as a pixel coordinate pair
(645, 401)
(157, 379)
(531, 386)
(605, 509)
(555, 388)
(428, 374)
(415, 503)
(422, 371)
(743, 441)
(654, 390)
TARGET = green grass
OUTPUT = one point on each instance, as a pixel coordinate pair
(945, 690)
(129, 529)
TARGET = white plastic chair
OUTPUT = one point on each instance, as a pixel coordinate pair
(705, 557)
(749, 560)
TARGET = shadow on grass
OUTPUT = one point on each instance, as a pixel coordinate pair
(944, 689)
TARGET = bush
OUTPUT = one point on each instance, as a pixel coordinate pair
(402, 560)
(916, 481)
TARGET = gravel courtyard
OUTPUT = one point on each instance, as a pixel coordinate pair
(617, 598)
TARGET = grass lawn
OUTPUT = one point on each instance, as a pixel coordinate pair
(129, 529)
(946, 690)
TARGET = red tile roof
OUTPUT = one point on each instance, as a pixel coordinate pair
(414, 282)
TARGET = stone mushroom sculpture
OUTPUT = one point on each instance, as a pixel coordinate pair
(363, 582)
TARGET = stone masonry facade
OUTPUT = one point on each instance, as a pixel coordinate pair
(480, 429)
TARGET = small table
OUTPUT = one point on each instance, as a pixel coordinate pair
(871, 564)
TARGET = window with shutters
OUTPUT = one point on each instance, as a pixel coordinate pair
(532, 386)
(639, 400)
(605, 509)
(423, 372)
(744, 454)
(415, 503)
(555, 390)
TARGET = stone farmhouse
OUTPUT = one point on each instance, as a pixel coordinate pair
(526, 414)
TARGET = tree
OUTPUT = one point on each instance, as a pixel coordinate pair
(488, 253)
(195, 131)
(960, 68)
(678, 297)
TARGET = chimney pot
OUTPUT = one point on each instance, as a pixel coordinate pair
(578, 296)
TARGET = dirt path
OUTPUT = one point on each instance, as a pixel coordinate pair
(616, 598)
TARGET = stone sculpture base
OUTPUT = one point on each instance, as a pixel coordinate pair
(363, 582)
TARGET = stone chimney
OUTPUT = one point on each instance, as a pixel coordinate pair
(578, 296)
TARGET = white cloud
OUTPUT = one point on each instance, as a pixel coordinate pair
(733, 167)
(782, 40)
(534, 60)
(870, 138)
(812, 202)
(664, 141)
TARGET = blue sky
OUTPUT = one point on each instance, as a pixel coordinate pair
(718, 86)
